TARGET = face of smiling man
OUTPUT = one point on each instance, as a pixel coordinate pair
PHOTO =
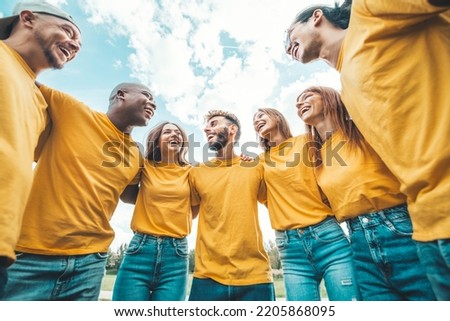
(59, 39)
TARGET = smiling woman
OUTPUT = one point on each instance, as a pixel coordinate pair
(155, 266)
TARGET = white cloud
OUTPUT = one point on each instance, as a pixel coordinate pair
(205, 54)
(179, 54)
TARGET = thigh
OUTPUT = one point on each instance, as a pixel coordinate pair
(172, 276)
(371, 280)
(208, 290)
(300, 277)
(405, 272)
(435, 257)
(135, 276)
(334, 259)
(86, 281)
(33, 277)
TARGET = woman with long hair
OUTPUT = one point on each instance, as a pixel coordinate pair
(155, 266)
(312, 245)
(363, 193)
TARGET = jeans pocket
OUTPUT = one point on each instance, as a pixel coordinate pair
(330, 233)
(135, 244)
(401, 226)
(181, 248)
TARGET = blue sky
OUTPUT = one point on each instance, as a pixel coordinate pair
(195, 56)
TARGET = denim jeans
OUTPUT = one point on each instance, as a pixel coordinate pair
(385, 256)
(210, 290)
(313, 253)
(435, 257)
(3, 279)
(43, 277)
(154, 268)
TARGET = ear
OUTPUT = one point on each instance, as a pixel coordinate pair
(120, 94)
(317, 17)
(27, 18)
(233, 129)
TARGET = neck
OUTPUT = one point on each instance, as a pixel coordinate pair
(325, 129)
(276, 138)
(168, 157)
(333, 43)
(119, 122)
(226, 153)
(23, 46)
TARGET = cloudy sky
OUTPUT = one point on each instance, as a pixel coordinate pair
(195, 56)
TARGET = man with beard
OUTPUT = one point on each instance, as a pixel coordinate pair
(87, 161)
(394, 61)
(230, 261)
(36, 37)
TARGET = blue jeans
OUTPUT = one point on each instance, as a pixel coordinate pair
(61, 278)
(313, 253)
(435, 256)
(210, 290)
(154, 268)
(385, 256)
(3, 276)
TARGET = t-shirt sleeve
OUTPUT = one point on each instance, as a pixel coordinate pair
(60, 103)
(408, 12)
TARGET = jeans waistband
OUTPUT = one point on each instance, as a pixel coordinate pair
(145, 237)
(308, 229)
(378, 217)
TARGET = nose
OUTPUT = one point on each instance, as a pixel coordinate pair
(74, 48)
(152, 103)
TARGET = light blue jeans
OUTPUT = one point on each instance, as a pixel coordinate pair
(60, 278)
(210, 290)
(386, 260)
(154, 269)
(435, 257)
(317, 252)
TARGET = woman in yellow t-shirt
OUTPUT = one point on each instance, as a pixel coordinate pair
(312, 245)
(155, 266)
(363, 193)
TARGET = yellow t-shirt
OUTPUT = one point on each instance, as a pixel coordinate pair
(293, 196)
(84, 166)
(23, 117)
(356, 181)
(229, 247)
(163, 205)
(394, 65)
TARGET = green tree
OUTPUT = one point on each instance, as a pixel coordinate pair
(191, 260)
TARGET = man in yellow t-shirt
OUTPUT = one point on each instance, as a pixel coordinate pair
(394, 59)
(37, 36)
(87, 161)
(230, 261)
